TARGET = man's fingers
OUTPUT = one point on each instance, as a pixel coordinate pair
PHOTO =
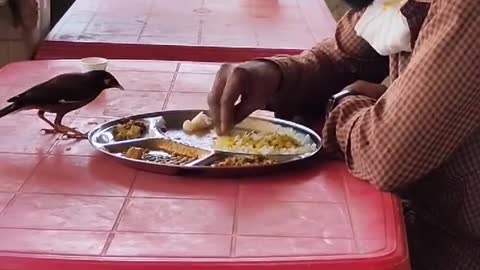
(215, 94)
(232, 91)
(243, 110)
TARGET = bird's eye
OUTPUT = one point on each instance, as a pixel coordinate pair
(107, 81)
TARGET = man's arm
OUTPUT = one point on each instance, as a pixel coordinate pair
(309, 79)
(425, 114)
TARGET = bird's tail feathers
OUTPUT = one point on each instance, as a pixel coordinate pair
(9, 109)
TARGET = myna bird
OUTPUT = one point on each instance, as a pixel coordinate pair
(61, 95)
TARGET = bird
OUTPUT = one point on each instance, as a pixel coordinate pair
(60, 95)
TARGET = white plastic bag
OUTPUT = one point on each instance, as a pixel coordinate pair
(385, 28)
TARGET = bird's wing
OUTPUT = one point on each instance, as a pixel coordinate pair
(65, 88)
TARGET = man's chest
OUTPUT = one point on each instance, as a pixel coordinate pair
(418, 13)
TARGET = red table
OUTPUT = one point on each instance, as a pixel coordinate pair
(220, 30)
(62, 205)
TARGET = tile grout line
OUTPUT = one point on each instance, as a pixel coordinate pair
(178, 233)
(347, 205)
(170, 89)
(233, 244)
(111, 234)
(308, 24)
(201, 25)
(19, 190)
(162, 197)
(67, 16)
(145, 23)
(89, 23)
(200, 32)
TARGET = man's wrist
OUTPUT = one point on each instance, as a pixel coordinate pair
(336, 99)
(275, 67)
(269, 106)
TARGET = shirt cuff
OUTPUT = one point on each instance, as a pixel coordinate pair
(285, 66)
(304, 78)
(340, 123)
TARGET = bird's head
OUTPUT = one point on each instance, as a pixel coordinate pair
(105, 79)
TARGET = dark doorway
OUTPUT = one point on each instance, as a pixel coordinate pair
(57, 9)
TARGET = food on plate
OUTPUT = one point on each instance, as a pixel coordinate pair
(173, 159)
(133, 129)
(161, 124)
(135, 152)
(200, 122)
(175, 148)
(282, 141)
(168, 153)
(243, 161)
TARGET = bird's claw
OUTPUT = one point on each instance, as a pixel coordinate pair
(66, 134)
(45, 131)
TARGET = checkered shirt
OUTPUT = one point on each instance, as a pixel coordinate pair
(421, 139)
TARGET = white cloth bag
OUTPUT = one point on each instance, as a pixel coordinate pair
(385, 28)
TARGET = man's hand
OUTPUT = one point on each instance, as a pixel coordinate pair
(368, 89)
(253, 83)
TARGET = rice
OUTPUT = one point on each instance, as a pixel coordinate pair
(269, 140)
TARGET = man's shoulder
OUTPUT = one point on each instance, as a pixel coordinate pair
(465, 7)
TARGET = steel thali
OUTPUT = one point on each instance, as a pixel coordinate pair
(164, 129)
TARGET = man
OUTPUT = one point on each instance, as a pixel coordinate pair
(419, 137)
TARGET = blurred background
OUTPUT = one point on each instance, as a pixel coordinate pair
(18, 43)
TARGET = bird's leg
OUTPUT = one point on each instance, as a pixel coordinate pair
(57, 127)
(41, 115)
(67, 131)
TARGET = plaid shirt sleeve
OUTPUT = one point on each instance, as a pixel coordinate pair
(309, 79)
(424, 115)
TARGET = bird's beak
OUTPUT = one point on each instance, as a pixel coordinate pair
(119, 87)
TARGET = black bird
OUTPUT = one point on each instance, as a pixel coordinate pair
(61, 95)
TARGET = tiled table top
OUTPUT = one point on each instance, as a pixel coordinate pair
(64, 205)
(250, 23)
(275, 24)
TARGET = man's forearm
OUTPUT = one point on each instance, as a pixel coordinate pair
(307, 82)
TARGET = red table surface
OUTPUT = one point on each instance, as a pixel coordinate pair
(64, 205)
(220, 30)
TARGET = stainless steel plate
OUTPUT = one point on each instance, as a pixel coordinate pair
(166, 127)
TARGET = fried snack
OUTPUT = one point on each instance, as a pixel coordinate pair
(174, 148)
(175, 154)
(244, 161)
(135, 153)
(169, 160)
(200, 122)
(128, 131)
